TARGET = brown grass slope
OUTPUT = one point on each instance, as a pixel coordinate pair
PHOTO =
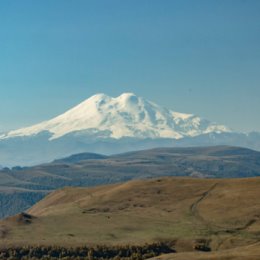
(221, 214)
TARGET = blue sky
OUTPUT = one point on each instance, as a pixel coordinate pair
(200, 57)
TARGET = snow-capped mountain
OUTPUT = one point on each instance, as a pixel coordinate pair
(124, 116)
(107, 125)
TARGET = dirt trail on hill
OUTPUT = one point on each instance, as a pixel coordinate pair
(194, 207)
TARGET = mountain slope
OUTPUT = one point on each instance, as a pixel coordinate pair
(124, 116)
(107, 125)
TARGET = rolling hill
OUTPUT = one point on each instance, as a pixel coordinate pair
(191, 215)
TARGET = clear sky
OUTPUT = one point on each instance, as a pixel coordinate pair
(200, 57)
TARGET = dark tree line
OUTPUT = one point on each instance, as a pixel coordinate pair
(86, 253)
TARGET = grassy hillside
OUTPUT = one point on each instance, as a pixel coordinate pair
(92, 169)
(191, 214)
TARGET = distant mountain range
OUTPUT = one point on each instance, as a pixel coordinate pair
(107, 125)
(21, 187)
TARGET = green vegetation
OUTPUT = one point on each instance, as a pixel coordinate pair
(13, 199)
(86, 253)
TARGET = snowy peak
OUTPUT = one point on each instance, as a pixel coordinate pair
(124, 116)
